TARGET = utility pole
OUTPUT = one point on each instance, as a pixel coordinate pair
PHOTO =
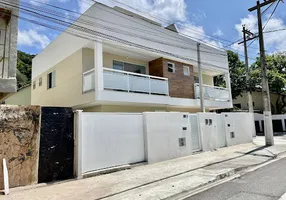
(250, 36)
(268, 127)
(247, 36)
(200, 79)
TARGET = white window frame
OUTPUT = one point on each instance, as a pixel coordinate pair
(188, 70)
(173, 67)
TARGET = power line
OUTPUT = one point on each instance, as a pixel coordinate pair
(188, 28)
(199, 33)
(164, 20)
(164, 32)
(269, 18)
(277, 30)
(106, 28)
(101, 35)
(271, 14)
(169, 22)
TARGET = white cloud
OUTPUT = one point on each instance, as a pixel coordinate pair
(198, 33)
(274, 42)
(198, 16)
(32, 38)
(163, 11)
(36, 2)
(218, 33)
(174, 10)
(84, 5)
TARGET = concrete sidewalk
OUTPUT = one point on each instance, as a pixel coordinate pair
(161, 180)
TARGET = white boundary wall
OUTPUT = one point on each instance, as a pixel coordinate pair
(104, 140)
(239, 128)
(163, 132)
(260, 119)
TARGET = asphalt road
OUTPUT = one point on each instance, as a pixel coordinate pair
(266, 183)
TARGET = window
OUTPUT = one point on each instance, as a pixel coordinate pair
(52, 79)
(34, 85)
(129, 67)
(118, 65)
(186, 71)
(196, 79)
(171, 67)
(40, 81)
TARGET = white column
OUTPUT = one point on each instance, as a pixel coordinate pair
(228, 86)
(78, 144)
(98, 68)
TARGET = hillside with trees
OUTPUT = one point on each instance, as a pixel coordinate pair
(24, 69)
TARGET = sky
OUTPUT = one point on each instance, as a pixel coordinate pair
(218, 22)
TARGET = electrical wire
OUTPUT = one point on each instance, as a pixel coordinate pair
(271, 15)
(164, 32)
(269, 18)
(129, 34)
(187, 29)
(116, 40)
(277, 30)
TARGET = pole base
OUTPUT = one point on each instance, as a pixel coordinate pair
(268, 128)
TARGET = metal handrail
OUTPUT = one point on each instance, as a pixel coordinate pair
(135, 74)
(211, 86)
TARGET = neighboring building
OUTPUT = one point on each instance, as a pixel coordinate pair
(21, 97)
(143, 74)
(241, 102)
(8, 48)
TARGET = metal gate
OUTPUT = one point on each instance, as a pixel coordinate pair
(111, 139)
(56, 144)
(196, 141)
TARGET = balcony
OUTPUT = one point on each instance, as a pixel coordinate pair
(212, 93)
(88, 83)
(124, 81)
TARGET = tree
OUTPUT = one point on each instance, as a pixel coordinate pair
(276, 65)
(24, 69)
(237, 75)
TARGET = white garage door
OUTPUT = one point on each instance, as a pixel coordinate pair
(111, 139)
(196, 142)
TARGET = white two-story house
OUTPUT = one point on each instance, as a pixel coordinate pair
(124, 62)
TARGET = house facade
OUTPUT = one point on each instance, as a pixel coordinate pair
(8, 48)
(125, 62)
(241, 101)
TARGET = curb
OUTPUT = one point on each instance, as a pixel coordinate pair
(225, 177)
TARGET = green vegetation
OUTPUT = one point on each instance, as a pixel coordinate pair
(24, 69)
(276, 64)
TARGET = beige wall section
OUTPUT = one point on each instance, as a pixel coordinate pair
(22, 97)
(208, 80)
(68, 89)
(257, 99)
(121, 108)
(108, 61)
(87, 59)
